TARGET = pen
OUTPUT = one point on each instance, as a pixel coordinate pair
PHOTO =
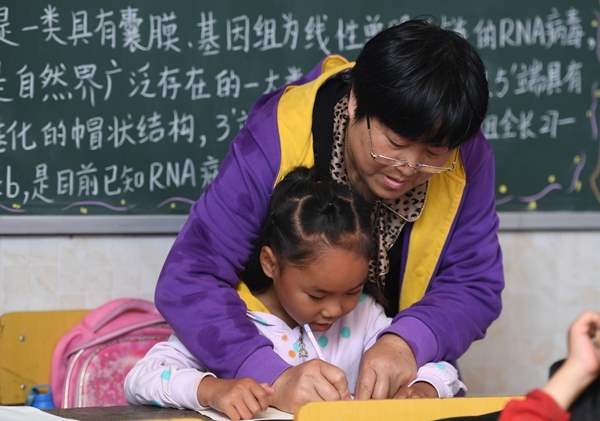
(313, 340)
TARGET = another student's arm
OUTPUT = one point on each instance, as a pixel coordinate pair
(195, 291)
(582, 366)
(579, 370)
(537, 406)
(167, 376)
(463, 297)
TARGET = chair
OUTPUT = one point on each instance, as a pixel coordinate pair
(27, 340)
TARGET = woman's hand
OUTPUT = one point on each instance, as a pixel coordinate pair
(311, 381)
(238, 399)
(387, 366)
(419, 390)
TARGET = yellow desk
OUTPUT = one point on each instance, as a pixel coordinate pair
(400, 410)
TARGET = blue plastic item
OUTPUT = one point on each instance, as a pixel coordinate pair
(40, 397)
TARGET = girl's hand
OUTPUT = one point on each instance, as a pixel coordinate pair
(385, 368)
(314, 380)
(419, 390)
(238, 399)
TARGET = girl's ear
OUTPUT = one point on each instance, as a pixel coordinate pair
(269, 263)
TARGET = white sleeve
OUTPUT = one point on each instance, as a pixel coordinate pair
(442, 376)
(377, 321)
(168, 375)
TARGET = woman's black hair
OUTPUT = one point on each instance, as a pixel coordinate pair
(306, 215)
(425, 83)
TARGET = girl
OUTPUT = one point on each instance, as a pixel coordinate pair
(307, 273)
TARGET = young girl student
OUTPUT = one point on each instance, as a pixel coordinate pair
(307, 273)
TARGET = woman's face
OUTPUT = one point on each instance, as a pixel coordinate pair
(378, 180)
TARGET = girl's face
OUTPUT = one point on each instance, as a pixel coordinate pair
(320, 292)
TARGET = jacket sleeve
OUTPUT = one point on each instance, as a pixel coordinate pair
(443, 376)
(537, 406)
(374, 319)
(168, 375)
(464, 295)
(195, 291)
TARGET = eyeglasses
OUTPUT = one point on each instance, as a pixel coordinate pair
(429, 169)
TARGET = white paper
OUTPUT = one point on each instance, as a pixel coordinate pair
(27, 413)
(270, 414)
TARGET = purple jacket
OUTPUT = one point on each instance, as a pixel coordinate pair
(196, 294)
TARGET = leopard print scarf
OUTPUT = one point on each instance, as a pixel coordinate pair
(389, 216)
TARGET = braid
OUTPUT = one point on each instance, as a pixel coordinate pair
(297, 220)
(305, 215)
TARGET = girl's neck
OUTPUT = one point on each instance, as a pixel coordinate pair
(270, 300)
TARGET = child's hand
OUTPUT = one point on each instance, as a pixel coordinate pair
(583, 363)
(584, 352)
(311, 381)
(418, 390)
(238, 399)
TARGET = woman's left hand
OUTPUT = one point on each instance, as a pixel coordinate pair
(419, 390)
(385, 368)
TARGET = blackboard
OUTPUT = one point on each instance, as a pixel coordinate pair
(126, 108)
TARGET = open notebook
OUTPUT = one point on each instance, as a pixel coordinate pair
(270, 414)
(27, 413)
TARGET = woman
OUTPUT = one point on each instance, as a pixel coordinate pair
(401, 127)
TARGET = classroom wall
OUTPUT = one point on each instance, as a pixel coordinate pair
(550, 277)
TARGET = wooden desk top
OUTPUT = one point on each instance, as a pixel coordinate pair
(126, 413)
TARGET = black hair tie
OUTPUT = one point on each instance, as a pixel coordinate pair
(330, 210)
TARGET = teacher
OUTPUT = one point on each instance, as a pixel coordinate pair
(401, 126)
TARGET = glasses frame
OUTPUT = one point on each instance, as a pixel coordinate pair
(393, 162)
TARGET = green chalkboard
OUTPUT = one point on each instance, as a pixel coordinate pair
(127, 107)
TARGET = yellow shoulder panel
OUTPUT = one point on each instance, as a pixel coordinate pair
(252, 303)
(294, 118)
(430, 232)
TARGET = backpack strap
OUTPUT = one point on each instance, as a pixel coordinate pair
(124, 305)
(119, 332)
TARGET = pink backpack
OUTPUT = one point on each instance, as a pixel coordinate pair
(90, 361)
